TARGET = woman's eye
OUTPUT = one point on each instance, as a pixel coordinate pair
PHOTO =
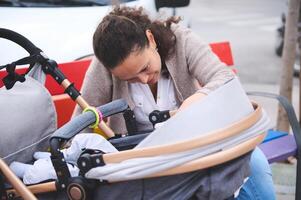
(146, 68)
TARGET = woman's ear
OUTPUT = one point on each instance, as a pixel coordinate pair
(151, 39)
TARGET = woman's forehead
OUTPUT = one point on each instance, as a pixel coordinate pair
(132, 65)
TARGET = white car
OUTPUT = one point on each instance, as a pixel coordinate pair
(63, 29)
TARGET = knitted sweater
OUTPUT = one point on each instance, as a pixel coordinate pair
(193, 67)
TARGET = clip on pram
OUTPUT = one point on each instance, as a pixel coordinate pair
(221, 144)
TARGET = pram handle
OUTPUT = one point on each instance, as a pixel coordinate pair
(82, 121)
(24, 192)
(20, 40)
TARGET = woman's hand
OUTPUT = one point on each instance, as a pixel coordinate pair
(190, 100)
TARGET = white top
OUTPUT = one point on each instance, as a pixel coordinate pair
(145, 103)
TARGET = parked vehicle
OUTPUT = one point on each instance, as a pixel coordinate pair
(62, 28)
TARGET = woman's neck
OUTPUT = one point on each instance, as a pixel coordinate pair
(154, 88)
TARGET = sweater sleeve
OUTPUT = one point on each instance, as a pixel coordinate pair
(97, 86)
(203, 64)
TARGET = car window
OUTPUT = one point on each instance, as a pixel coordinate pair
(57, 3)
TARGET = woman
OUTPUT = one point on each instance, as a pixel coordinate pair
(161, 66)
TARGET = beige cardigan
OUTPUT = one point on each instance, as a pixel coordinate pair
(193, 62)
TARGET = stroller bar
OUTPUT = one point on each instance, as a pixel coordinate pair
(35, 189)
(16, 182)
(72, 128)
(83, 104)
(51, 67)
(20, 40)
(82, 121)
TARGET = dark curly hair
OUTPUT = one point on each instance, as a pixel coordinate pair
(122, 32)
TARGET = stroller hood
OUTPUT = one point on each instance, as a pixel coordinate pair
(27, 118)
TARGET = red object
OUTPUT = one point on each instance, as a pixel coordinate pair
(74, 71)
(223, 51)
(64, 106)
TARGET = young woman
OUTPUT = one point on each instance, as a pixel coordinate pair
(158, 65)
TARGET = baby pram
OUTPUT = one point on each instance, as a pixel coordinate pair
(182, 154)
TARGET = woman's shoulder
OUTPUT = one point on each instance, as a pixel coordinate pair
(185, 34)
(97, 73)
(98, 68)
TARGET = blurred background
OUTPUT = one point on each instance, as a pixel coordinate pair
(250, 26)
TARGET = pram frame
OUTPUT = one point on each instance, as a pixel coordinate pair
(16, 182)
(68, 86)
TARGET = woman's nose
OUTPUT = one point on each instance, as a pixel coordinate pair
(143, 78)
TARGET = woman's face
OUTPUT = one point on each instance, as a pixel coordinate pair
(142, 66)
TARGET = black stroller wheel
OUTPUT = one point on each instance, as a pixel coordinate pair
(76, 191)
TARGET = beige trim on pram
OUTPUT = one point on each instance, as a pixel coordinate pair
(215, 159)
(20, 188)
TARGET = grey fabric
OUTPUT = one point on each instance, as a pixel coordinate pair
(27, 119)
(37, 73)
